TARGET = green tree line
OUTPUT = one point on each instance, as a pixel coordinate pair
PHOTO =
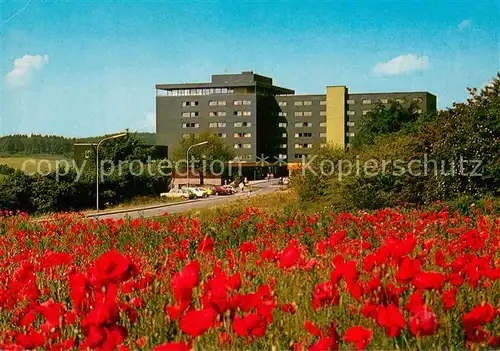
(35, 144)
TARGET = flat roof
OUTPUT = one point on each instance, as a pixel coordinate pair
(179, 86)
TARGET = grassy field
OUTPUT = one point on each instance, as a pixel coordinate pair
(32, 164)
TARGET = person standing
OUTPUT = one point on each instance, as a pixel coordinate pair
(242, 186)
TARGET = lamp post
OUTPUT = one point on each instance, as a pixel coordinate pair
(187, 159)
(97, 163)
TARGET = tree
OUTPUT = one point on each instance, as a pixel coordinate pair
(206, 158)
(384, 120)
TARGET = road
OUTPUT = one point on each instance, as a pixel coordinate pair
(265, 187)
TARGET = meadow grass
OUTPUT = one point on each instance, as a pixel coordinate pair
(32, 164)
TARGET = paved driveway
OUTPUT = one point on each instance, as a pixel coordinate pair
(265, 187)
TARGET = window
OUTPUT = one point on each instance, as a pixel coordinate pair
(298, 114)
(299, 125)
(282, 114)
(365, 112)
(322, 113)
(308, 114)
(282, 125)
(221, 103)
(242, 124)
(298, 146)
(281, 103)
(247, 146)
(349, 134)
(350, 102)
(367, 102)
(190, 125)
(237, 146)
(222, 135)
(417, 99)
(283, 135)
(303, 135)
(237, 102)
(322, 102)
(189, 103)
(185, 135)
(212, 125)
(245, 157)
(350, 124)
(242, 135)
(221, 124)
(242, 113)
(351, 113)
(217, 125)
(384, 101)
(303, 146)
(212, 103)
(298, 103)
(247, 102)
(322, 145)
(322, 135)
(221, 113)
(297, 156)
(322, 124)
(307, 103)
(189, 114)
(283, 146)
(212, 114)
(282, 156)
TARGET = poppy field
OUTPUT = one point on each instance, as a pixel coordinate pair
(391, 279)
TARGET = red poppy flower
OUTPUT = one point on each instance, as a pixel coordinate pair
(250, 325)
(325, 294)
(289, 308)
(391, 319)
(110, 268)
(428, 280)
(449, 299)
(479, 316)
(195, 323)
(359, 336)
(408, 268)
(290, 256)
(423, 322)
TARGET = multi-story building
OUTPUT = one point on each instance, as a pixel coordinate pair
(259, 119)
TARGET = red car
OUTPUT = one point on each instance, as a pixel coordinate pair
(220, 190)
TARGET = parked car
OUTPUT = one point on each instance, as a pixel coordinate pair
(209, 190)
(229, 188)
(179, 193)
(220, 190)
(198, 192)
(286, 181)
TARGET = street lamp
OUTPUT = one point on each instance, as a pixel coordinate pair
(187, 159)
(97, 163)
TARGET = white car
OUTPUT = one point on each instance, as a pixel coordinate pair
(229, 188)
(178, 193)
(199, 192)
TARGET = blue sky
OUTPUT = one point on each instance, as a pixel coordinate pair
(88, 68)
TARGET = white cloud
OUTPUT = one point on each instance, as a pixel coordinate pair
(24, 67)
(464, 24)
(401, 64)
